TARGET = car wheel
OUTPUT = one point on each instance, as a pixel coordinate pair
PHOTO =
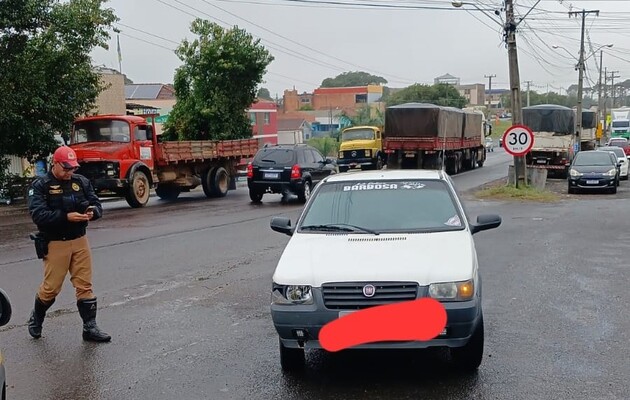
(256, 197)
(468, 357)
(306, 192)
(291, 359)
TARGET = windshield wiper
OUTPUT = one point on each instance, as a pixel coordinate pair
(339, 227)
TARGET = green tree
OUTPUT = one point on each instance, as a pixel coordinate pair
(263, 93)
(328, 146)
(216, 83)
(536, 98)
(46, 74)
(440, 94)
(356, 78)
(367, 115)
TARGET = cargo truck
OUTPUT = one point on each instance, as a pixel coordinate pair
(554, 137)
(588, 137)
(122, 156)
(361, 148)
(427, 136)
(620, 122)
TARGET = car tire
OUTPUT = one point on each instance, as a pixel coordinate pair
(291, 359)
(305, 193)
(255, 197)
(469, 357)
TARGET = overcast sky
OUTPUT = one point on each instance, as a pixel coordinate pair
(312, 40)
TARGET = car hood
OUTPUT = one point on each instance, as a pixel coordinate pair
(314, 259)
(595, 169)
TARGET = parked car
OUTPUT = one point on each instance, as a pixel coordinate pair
(594, 170)
(5, 317)
(376, 238)
(622, 143)
(621, 159)
(489, 143)
(287, 169)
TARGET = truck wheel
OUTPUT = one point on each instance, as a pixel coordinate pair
(256, 197)
(305, 194)
(216, 182)
(291, 359)
(379, 163)
(480, 163)
(167, 192)
(469, 357)
(139, 190)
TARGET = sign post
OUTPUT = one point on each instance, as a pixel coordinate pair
(518, 140)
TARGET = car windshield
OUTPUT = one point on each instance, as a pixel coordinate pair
(594, 158)
(105, 130)
(618, 151)
(621, 124)
(274, 156)
(358, 134)
(383, 206)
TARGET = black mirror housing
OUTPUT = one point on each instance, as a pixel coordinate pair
(485, 222)
(282, 225)
(5, 308)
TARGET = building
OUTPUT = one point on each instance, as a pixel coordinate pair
(293, 131)
(494, 98)
(264, 119)
(346, 99)
(112, 99)
(474, 93)
(448, 79)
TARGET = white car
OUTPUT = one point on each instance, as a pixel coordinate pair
(346, 255)
(489, 143)
(621, 158)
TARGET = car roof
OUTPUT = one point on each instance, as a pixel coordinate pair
(610, 148)
(387, 175)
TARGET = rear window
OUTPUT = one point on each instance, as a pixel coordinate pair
(275, 156)
(617, 150)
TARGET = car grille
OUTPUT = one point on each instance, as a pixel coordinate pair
(349, 295)
(353, 154)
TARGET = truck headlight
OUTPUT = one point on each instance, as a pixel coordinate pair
(575, 173)
(340, 154)
(291, 294)
(452, 291)
(368, 153)
(612, 172)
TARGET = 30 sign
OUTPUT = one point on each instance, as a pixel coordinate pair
(518, 140)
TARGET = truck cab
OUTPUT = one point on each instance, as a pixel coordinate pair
(361, 148)
(116, 153)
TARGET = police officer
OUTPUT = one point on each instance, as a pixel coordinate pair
(61, 203)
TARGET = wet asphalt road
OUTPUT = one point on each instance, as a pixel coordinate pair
(184, 290)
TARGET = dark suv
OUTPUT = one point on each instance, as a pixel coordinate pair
(287, 169)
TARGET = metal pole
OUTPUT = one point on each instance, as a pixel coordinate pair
(520, 172)
(489, 90)
(599, 92)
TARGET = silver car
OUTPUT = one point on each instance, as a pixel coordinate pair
(489, 144)
(5, 316)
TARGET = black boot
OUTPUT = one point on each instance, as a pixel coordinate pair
(36, 319)
(91, 332)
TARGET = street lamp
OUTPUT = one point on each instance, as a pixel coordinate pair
(460, 4)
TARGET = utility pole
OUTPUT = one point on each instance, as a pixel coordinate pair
(599, 92)
(528, 84)
(489, 89)
(612, 84)
(584, 13)
(520, 172)
(605, 101)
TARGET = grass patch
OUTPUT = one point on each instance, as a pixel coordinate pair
(510, 192)
(499, 127)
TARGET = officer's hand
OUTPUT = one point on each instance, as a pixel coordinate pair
(77, 217)
(90, 215)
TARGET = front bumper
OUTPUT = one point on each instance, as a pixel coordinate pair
(598, 182)
(352, 163)
(462, 319)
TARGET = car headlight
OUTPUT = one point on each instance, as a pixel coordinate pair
(612, 172)
(452, 291)
(368, 153)
(291, 294)
(575, 173)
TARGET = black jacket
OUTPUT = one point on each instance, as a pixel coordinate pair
(50, 200)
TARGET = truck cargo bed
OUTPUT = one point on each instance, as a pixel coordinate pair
(430, 143)
(200, 150)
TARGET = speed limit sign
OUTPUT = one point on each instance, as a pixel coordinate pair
(518, 140)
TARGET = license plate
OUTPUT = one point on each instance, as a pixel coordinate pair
(271, 175)
(592, 182)
(541, 161)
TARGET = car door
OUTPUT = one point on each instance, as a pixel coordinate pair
(323, 169)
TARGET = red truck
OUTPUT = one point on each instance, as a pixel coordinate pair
(427, 136)
(122, 156)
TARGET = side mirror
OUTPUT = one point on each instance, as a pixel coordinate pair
(485, 222)
(282, 225)
(329, 161)
(5, 308)
(149, 132)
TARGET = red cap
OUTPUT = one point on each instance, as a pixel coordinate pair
(66, 157)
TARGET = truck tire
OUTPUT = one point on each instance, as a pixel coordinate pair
(139, 190)
(168, 192)
(216, 182)
(469, 357)
(291, 359)
(379, 163)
